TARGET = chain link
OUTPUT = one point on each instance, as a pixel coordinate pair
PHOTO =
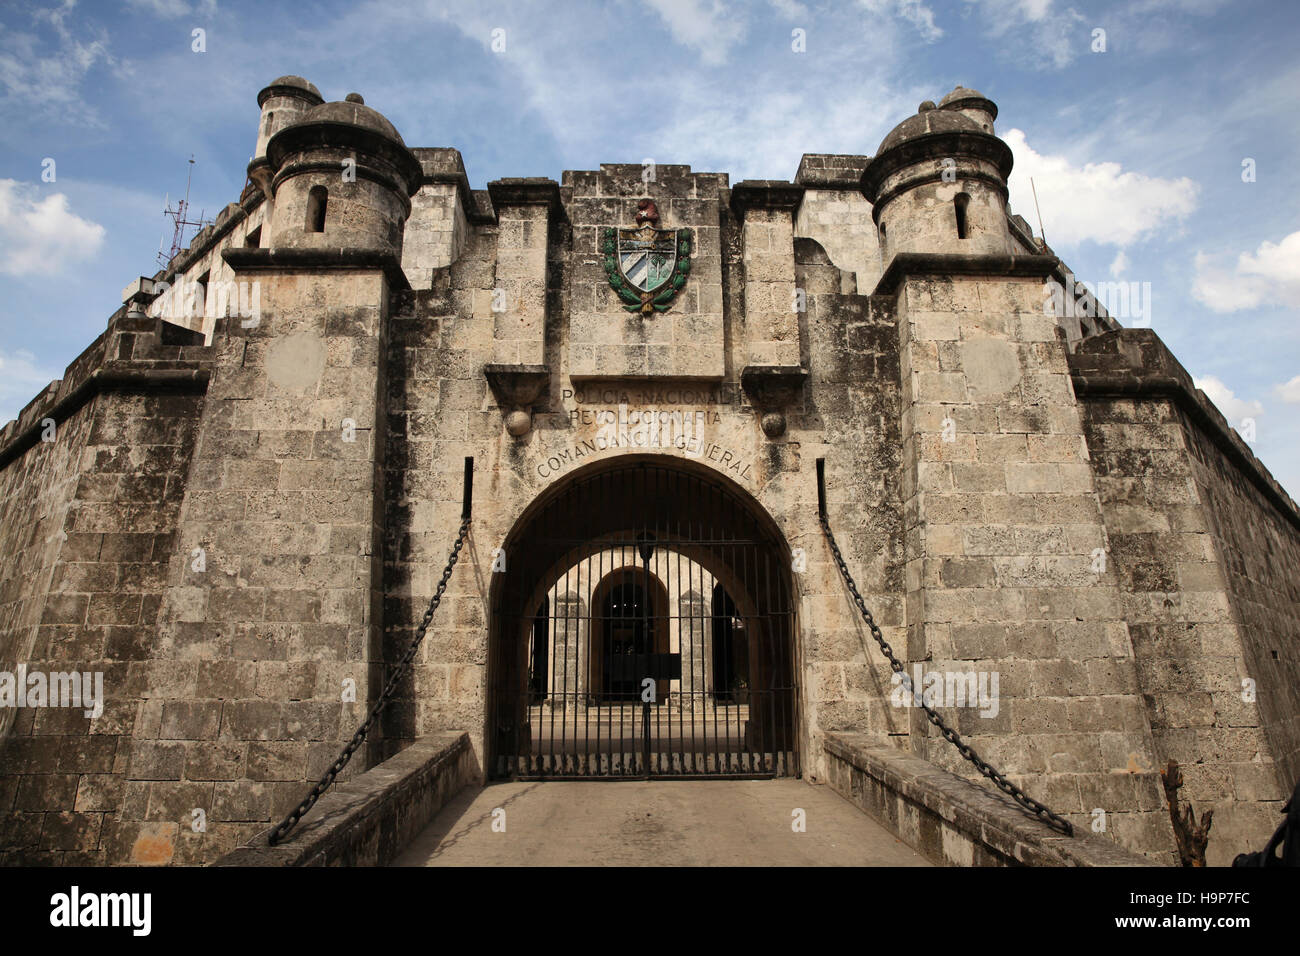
(390, 690)
(1002, 783)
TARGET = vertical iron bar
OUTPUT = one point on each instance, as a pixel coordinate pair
(564, 673)
(645, 639)
(467, 494)
(821, 487)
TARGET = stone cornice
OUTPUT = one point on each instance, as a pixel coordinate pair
(330, 135)
(285, 89)
(1134, 363)
(121, 376)
(765, 194)
(466, 195)
(907, 264)
(538, 191)
(316, 260)
(932, 146)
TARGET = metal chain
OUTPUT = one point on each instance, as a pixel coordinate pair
(1006, 786)
(390, 690)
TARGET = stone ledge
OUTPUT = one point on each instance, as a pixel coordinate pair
(831, 171)
(443, 164)
(938, 144)
(316, 260)
(527, 191)
(371, 818)
(143, 363)
(952, 821)
(907, 264)
(765, 194)
(1135, 363)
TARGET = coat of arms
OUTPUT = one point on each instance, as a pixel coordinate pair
(647, 266)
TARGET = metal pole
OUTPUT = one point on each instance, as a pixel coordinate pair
(467, 497)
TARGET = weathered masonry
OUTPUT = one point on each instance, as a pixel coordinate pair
(236, 503)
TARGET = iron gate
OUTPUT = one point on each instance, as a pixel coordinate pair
(643, 627)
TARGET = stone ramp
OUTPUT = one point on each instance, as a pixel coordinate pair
(654, 823)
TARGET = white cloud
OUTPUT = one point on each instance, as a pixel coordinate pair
(1234, 409)
(21, 380)
(755, 126)
(1195, 7)
(1050, 38)
(1270, 276)
(40, 235)
(763, 137)
(789, 8)
(707, 26)
(1289, 392)
(171, 9)
(913, 11)
(1097, 201)
(35, 81)
(1119, 265)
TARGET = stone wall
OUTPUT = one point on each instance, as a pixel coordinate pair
(1200, 537)
(272, 642)
(370, 820)
(440, 409)
(437, 412)
(98, 507)
(441, 211)
(836, 214)
(1002, 524)
(852, 420)
(201, 284)
(604, 340)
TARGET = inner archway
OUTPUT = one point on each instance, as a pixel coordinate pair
(630, 619)
(645, 627)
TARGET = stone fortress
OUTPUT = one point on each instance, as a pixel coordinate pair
(236, 503)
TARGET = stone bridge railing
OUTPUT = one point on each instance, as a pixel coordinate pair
(950, 820)
(370, 819)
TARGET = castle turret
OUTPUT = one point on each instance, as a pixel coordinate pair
(343, 180)
(938, 182)
(972, 104)
(283, 101)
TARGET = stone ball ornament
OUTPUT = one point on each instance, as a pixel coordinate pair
(519, 422)
(773, 424)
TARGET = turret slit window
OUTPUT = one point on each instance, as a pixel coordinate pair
(960, 202)
(317, 199)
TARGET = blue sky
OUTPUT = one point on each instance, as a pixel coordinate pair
(1136, 152)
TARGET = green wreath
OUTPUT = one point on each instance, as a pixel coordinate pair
(661, 296)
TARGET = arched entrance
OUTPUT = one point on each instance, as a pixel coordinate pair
(644, 626)
(630, 618)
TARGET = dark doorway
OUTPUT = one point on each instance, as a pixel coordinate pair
(627, 631)
(730, 650)
(537, 673)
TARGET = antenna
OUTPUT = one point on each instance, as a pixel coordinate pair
(180, 223)
(1041, 233)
